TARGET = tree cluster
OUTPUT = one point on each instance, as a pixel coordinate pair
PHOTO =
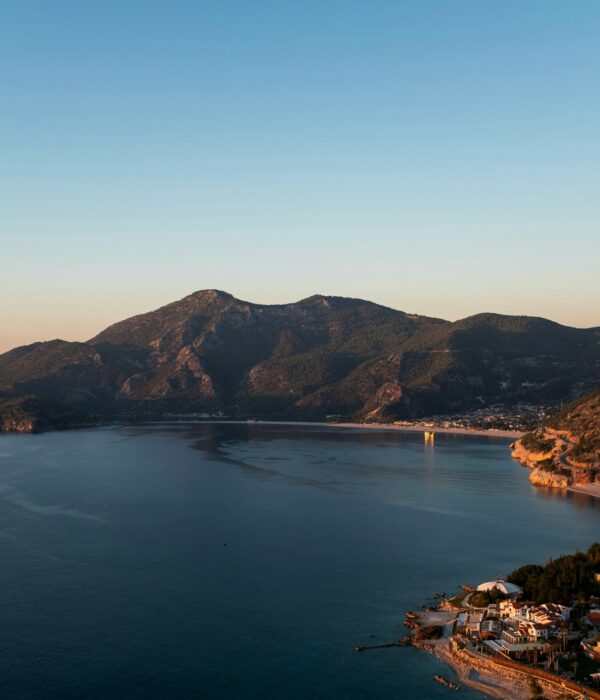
(565, 580)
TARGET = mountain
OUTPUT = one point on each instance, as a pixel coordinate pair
(322, 355)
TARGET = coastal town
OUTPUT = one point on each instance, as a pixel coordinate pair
(504, 644)
(497, 417)
(518, 419)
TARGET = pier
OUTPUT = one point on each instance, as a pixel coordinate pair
(404, 642)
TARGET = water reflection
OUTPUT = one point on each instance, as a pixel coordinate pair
(579, 500)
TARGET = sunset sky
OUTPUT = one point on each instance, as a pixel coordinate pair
(439, 157)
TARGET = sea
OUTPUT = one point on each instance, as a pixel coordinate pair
(249, 560)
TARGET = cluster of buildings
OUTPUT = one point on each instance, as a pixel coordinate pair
(514, 630)
(496, 417)
(193, 415)
(521, 630)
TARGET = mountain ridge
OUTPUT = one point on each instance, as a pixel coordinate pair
(319, 356)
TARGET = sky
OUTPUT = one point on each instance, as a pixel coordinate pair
(439, 157)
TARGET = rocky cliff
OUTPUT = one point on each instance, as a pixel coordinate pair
(550, 478)
(567, 449)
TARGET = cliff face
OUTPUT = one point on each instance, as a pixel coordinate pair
(567, 450)
(322, 355)
(18, 415)
(550, 479)
(18, 425)
(580, 423)
(529, 457)
(30, 414)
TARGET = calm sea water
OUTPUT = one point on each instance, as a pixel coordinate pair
(234, 561)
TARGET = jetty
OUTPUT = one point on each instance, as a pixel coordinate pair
(404, 642)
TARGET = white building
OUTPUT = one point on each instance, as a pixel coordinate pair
(512, 609)
(509, 589)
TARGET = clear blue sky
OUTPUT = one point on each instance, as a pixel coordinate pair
(438, 157)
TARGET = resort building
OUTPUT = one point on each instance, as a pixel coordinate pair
(509, 589)
(491, 627)
(512, 609)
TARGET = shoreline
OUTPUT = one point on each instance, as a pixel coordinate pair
(423, 427)
(495, 683)
(411, 428)
(481, 684)
(587, 489)
(561, 476)
(415, 428)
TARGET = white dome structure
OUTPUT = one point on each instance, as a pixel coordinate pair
(509, 589)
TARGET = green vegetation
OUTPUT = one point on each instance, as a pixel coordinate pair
(564, 580)
(582, 420)
(535, 443)
(481, 599)
(549, 465)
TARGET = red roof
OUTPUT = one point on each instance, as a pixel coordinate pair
(594, 617)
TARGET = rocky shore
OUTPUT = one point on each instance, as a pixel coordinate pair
(548, 453)
(18, 425)
(550, 479)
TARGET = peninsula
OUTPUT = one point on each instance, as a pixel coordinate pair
(535, 634)
(564, 452)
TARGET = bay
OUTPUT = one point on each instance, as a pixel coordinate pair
(247, 561)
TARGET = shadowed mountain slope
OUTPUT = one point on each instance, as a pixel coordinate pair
(322, 355)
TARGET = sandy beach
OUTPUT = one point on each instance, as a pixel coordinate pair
(422, 427)
(472, 678)
(495, 683)
(413, 427)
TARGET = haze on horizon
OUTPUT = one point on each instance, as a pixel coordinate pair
(439, 158)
